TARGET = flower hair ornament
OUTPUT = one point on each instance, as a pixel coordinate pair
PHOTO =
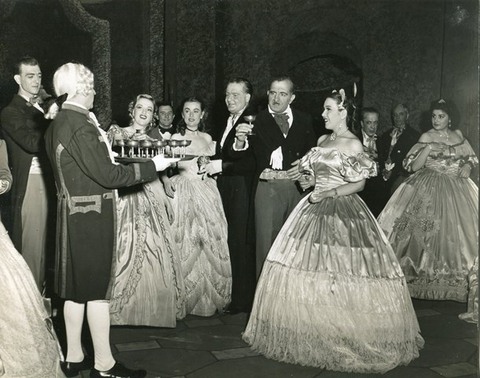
(342, 94)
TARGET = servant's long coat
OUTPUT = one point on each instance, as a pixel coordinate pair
(86, 178)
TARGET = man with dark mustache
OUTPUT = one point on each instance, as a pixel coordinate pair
(282, 136)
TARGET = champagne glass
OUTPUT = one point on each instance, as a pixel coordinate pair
(250, 118)
(146, 144)
(160, 145)
(121, 143)
(132, 144)
(173, 144)
(184, 144)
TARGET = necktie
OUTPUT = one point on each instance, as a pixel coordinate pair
(34, 99)
(370, 142)
(395, 135)
(282, 122)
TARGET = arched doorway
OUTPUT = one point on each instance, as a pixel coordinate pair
(319, 62)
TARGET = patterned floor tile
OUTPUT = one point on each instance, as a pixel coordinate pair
(449, 307)
(237, 319)
(455, 370)
(254, 367)
(138, 345)
(206, 338)
(446, 326)
(168, 363)
(207, 322)
(443, 351)
(228, 354)
(426, 312)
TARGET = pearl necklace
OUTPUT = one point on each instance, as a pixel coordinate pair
(447, 135)
(334, 136)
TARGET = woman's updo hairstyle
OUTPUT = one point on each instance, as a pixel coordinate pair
(132, 104)
(347, 102)
(448, 107)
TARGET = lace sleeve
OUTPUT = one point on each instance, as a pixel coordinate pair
(116, 132)
(358, 167)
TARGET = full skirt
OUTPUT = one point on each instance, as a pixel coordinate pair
(147, 285)
(28, 344)
(332, 294)
(201, 236)
(431, 222)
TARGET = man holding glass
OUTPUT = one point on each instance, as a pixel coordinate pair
(282, 136)
(235, 185)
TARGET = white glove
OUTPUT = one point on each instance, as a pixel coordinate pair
(276, 159)
(214, 167)
(160, 163)
(389, 166)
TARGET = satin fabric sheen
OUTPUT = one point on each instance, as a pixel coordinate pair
(431, 222)
(28, 344)
(332, 294)
(147, 285)
(201, 235)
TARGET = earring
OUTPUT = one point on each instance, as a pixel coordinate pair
(449, 123)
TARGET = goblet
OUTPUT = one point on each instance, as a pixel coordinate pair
(184, 144)
(173, 144)
(160, 146)
(250, 118)
(121, 143)
(146, 144)
(132, 144)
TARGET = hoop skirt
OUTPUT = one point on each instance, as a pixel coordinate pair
(331, 293)
(148, 287)
(201, 235)
(431, 222)
(28, 344)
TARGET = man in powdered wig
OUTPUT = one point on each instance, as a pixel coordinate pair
(86, 177)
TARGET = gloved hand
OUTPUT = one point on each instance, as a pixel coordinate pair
(214, 167)
(161, 163)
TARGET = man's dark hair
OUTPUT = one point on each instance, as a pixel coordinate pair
(26, 61)
(369, 109)
(283, 78)
(164, 103)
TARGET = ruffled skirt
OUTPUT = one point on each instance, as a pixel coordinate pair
(201, 235)
(332, 295)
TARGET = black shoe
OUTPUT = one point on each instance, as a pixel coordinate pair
(118, 371)
(72, 369)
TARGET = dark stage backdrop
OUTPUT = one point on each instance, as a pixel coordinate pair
(395, 50)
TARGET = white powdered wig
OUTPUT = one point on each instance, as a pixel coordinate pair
(73, 78)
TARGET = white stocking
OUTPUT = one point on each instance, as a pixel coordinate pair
(98, 316)
(73, 313)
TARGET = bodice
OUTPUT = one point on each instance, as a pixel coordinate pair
(448, 162)
(332, 168)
